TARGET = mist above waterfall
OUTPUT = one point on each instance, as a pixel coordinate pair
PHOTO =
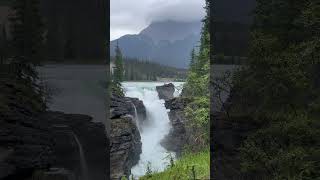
(156, 128)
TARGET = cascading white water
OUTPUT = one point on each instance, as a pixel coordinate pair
(83, 162)
(157, 128)
(136, 118)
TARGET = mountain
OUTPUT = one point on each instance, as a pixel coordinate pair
(167, 43)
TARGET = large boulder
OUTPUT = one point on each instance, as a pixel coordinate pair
(166, 91)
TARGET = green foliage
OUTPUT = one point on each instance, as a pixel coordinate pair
(119, 68)
(190, 165)
(285, 150)
(148, 170)
(197, 114)
(139, 70)
(116, 89)
(197, 89)
(279, 90)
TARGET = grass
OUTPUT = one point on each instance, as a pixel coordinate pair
(190, 166)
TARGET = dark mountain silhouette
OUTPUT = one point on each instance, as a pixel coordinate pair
(168, 43)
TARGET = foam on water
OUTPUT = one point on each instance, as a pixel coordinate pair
(157, 128)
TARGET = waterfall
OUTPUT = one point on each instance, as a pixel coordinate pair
(157, 128)
(136, 118)
(83, 162)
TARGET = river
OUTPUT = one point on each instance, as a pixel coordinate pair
(77, 89)
(157, 128)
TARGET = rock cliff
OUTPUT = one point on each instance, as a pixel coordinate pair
(178, 134)
(125, 140)
(34, 141)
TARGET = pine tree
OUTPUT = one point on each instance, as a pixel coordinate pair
(119, 69)
(27, 31)
(193, 56)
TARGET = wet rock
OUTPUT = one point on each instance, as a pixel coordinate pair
(32, 139)
(122, 106)
(25, 141)
(125, 146)
(125, 140)
(166, 91)
(141, 109)
(92, 137)
(178, 134)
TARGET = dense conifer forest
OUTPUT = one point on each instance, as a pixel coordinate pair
(139, 70)
(276, 93)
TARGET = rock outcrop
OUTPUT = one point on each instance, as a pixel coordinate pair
(166, 91)
(122, 106)
(34, 141)
(49, 141)
(125, 146)
(67, 129)
(125, 140)
(140, 108)
(178, 134)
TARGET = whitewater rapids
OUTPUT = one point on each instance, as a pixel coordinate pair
(156, 128)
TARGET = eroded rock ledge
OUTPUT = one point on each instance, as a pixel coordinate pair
(178, 135)
(125, 140)
(41, 144)
(48, 141)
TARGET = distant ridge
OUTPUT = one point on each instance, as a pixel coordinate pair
(167, 42)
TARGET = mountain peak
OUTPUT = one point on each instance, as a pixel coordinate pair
(170, 30)
(165, 42)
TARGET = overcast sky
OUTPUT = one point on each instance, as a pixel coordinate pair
(131, 16)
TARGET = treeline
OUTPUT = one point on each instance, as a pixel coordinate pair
(196, 89)
(278, 92)
(138, 70)
(18, 68)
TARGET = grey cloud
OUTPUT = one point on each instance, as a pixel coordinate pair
(134, 15)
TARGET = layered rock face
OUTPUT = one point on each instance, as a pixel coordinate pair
(166, 91)
(37, 143)
(25, 141)
(91, 136)
(178, 135)
(38, 146)
(125, 146)
(125, 140)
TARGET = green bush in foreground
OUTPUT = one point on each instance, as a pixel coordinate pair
(189, 166)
